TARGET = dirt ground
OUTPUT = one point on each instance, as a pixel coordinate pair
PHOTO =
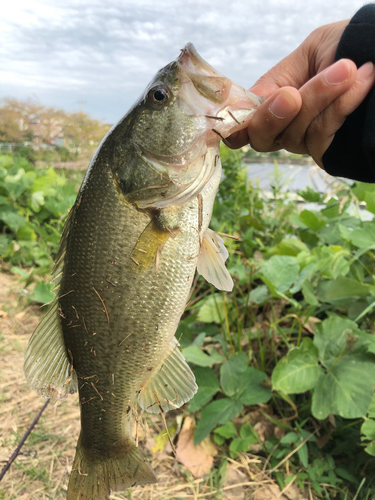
(41, 470)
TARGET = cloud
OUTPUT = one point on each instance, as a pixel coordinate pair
(110, 51)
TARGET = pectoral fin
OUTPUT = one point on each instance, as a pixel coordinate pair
(149, 244)
(172, 384)
(211, 261)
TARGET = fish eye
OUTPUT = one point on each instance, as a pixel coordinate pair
(158, 95)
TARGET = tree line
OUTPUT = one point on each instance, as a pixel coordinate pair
(39, 127)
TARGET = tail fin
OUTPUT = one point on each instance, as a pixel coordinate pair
(95, 478)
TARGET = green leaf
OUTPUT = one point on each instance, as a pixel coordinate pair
(13, 220)
(310, 195)
(250, 390)
(364, 237)
(336, 336)
(227, 431)
(306, 272)
(208, 386)
(231, 373)
(280, 272)
(217, 412)
(42, 293)
(20, 271)
(212, 310)
(343, 288)
(347, 389)
(303, 454)
(371, 409)
(290, 246)
(299, 371)
(289, 438)
(313, 220)
(26, 232)
(219, 440)
(332, 208)
(370, 449)
(360, 189)
(4, 243)
(368, 429)
(259, 295)
(36, 201)
(195, 355)
(199, 340)
(309, 293)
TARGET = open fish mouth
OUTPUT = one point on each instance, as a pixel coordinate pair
(227, 105)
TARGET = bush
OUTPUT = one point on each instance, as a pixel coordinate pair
(300, 322)
(34, 204)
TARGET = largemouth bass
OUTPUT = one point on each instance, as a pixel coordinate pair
(127, 258)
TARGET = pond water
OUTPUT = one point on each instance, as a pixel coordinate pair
(290, 177)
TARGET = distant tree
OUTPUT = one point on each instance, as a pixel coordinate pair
(22, 121)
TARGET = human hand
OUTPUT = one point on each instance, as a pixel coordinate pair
(308, 97)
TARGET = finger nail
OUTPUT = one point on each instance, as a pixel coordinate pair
(283, 106)
(337, 73)
(365, 72)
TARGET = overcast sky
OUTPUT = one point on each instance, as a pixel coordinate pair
(101, 55)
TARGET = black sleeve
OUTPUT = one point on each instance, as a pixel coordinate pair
(352, 151)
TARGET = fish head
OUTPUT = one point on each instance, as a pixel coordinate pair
(175, 128)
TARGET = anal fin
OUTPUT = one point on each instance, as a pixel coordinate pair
(172, 384)
(47, 366)
(211, 261)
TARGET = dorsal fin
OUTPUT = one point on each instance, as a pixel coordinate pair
(47, 367)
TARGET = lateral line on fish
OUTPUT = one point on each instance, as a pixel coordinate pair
(96, 390)
(234, 118)
(135, 261)
(122, 341)
(221, 137)
(229, 236)
(102, 301)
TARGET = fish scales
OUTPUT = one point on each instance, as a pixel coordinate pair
(127, 259)
(146, 316)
